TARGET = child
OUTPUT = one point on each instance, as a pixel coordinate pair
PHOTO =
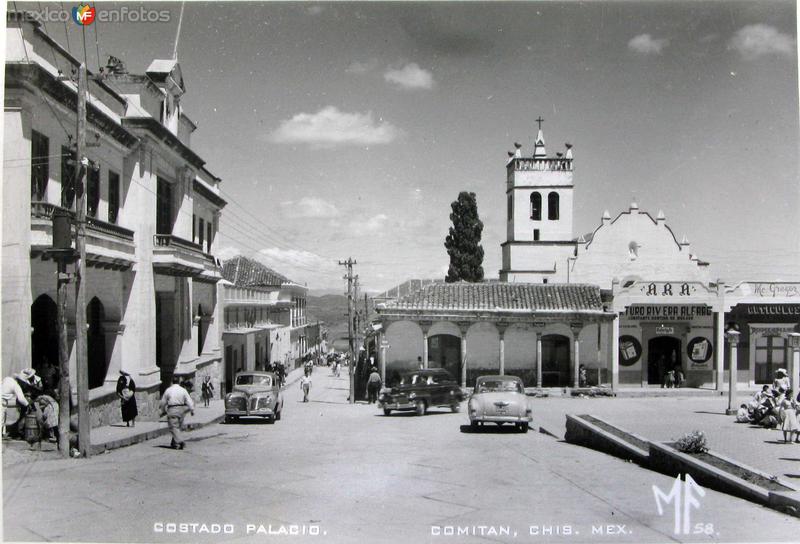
(207, 389)
(743, 414)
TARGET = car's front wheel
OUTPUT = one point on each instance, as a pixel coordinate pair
(474, 425)
(386, 411)
(231, 419)
(420, 407)
(278, 415)
(455, 408)
(523, 427)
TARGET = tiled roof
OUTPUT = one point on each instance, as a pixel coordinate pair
(500, 296)
(408, 286)
(244, 272)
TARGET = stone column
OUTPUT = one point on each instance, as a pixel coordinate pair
(719, 350)
(501, 329)
(794, 364)
(733, 340)
(576, 331)
(539, 358)
(613, 348)
(463, 327)
(425, 326)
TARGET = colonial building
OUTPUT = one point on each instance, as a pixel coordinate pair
(654, 305)
(540, 333)
(152, 216)
(263, 317)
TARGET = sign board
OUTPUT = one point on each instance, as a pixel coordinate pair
(775, 290)
(699, 350)
(791, 311)
(630, 350)
(662, 312)
(665, 330)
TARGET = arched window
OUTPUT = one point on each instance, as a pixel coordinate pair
(536, 206)
(552, 206)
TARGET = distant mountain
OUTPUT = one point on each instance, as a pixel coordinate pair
(332, 310)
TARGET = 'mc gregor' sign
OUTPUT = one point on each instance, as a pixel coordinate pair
(661, 312)
(787, 290)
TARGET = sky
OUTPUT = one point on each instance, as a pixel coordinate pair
(347, 129)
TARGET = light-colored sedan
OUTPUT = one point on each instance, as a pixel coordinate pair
(499, 399)
(254, 394)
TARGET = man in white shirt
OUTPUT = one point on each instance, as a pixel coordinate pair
(175, 403)
(13, 396)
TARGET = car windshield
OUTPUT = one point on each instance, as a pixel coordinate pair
(494, 386)
(250, 379)
(415, 379)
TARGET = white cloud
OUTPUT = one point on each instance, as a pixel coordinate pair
(315, 10)
(410, 76)
(330, 127)
(227, 252)
(753, 41)
(645, 44)
(298, 265)
(376, 222)
(310, 207)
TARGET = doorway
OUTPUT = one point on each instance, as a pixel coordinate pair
(444, 351)
(555, 361)
(96, 343)
(663, 353)
(44, 338)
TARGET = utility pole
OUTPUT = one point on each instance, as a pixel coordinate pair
(81, 360)
(350, 299)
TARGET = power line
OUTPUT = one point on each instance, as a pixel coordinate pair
(66, 31)
(40, 93)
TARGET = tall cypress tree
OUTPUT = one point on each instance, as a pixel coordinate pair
(463, 243)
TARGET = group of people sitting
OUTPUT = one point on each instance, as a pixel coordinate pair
(774, 407)
(673, 378)
(25, 393)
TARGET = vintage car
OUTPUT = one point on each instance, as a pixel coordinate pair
(421, 390)
(499, 399)
(254, 394)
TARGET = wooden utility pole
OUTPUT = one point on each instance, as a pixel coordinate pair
(350, 306)
(64, 390)
(81, 359)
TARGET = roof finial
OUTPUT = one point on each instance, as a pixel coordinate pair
(540, 120)
(539, 151)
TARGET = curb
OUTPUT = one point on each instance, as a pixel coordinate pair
(149, 435)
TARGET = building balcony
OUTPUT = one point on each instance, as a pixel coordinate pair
(108, 246)
(540, 165)
(175, 256)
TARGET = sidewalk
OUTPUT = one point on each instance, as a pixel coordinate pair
(117, 435)
(667, 418)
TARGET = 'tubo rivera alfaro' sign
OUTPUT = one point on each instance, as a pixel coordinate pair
(661, 312)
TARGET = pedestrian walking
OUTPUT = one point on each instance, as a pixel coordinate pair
(373, 385)
(788, 415)
(305, 385)
(175, 403)
(207, 389)
(126, 389)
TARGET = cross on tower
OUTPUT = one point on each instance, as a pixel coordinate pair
(540, 121)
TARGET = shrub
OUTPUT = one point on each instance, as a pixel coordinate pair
(693, 442)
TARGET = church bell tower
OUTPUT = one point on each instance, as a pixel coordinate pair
(539, 240)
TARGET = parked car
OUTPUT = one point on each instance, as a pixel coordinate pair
(421, 390)
(254, 394)
(499, 399)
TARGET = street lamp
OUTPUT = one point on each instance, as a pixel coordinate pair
(794, 368)
(732, 336)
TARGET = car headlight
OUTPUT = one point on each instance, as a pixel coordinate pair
(412, 396)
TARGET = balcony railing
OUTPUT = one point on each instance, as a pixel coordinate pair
(105, 227)
(541, 165)
(44, 210)
(169, 240)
